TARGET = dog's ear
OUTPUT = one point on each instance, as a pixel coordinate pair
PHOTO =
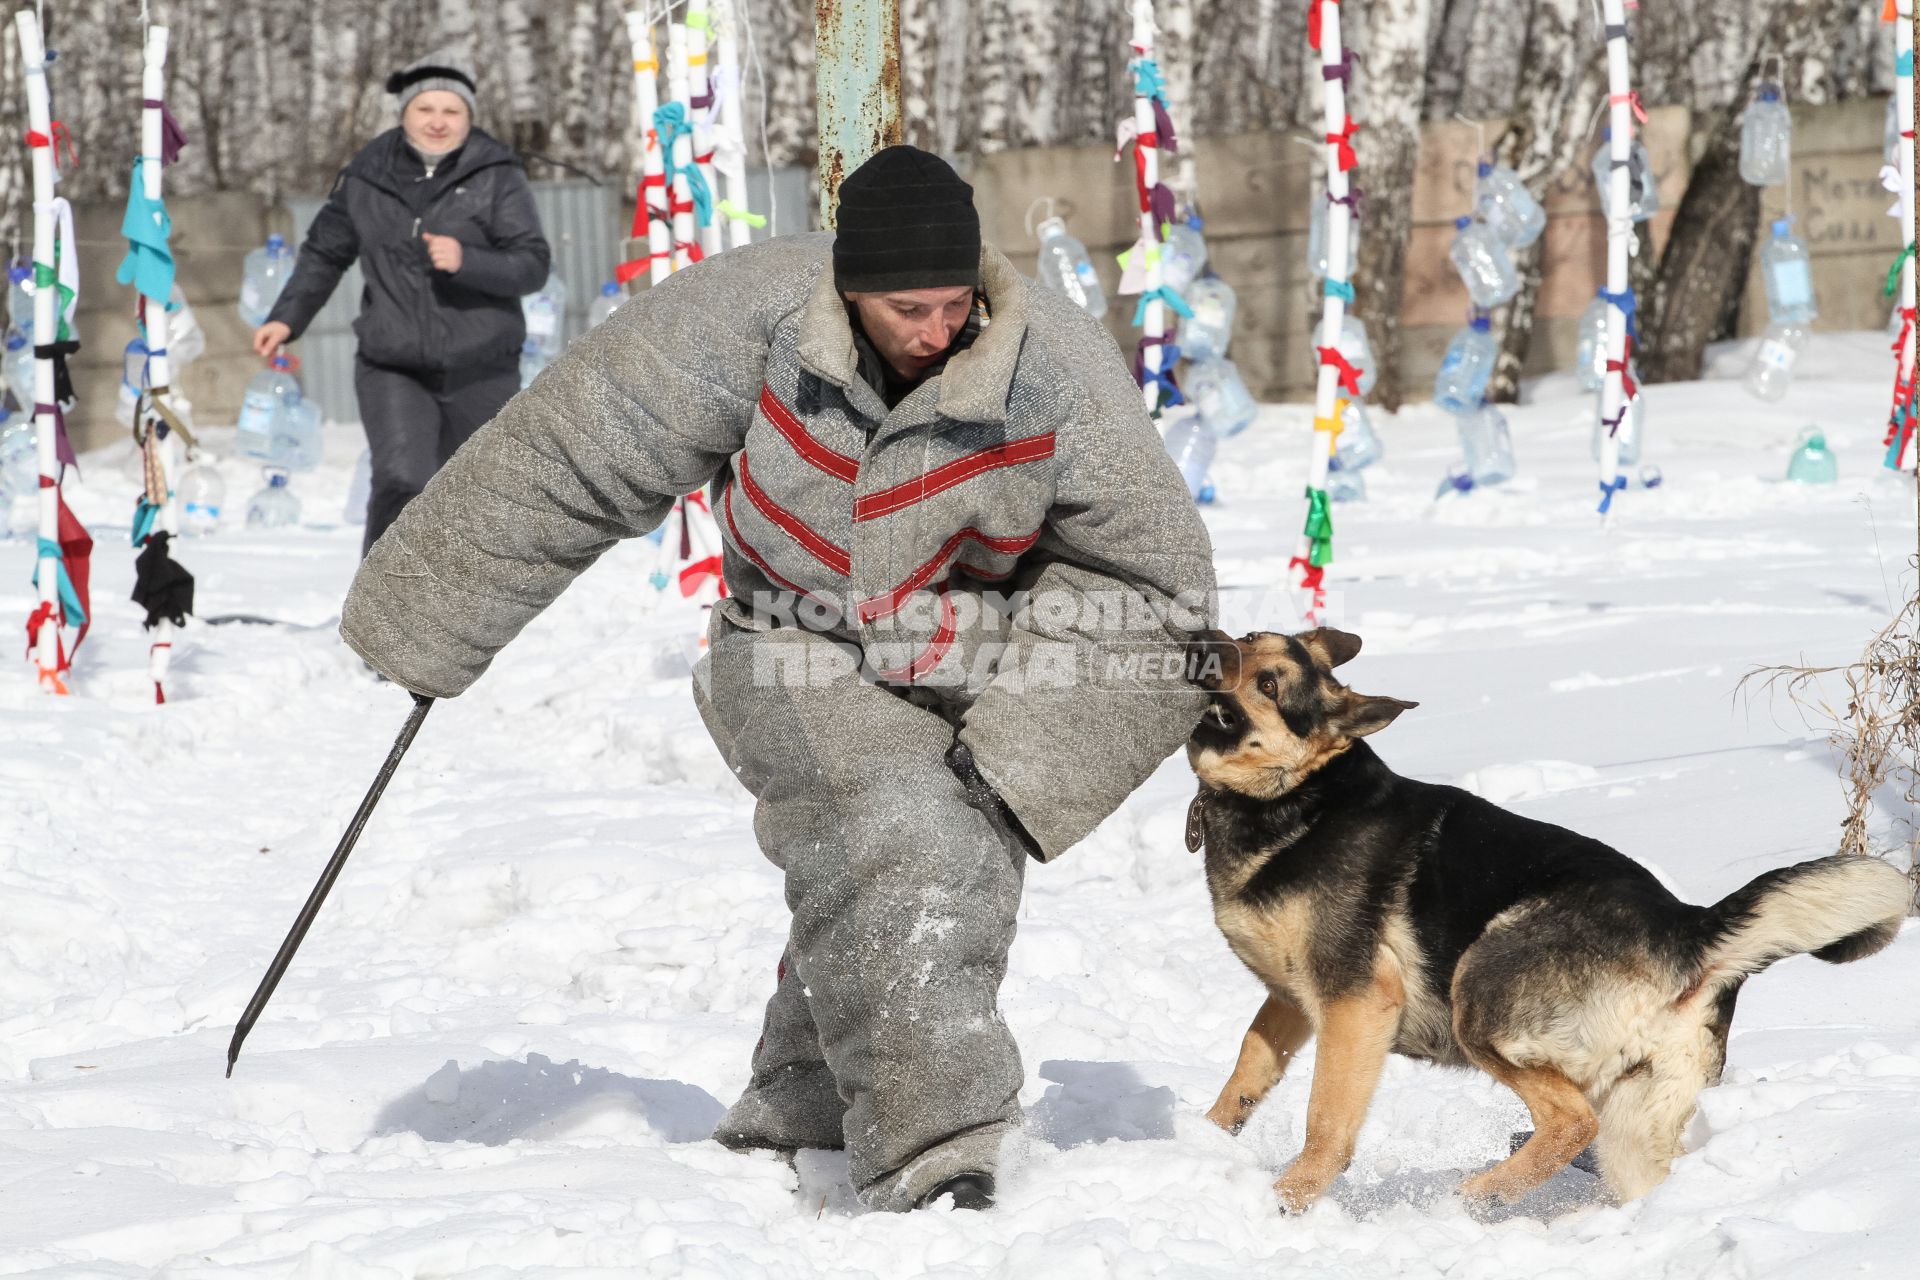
(1330, 646)
(1363, 715)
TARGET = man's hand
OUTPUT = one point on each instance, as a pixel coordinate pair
(444, 251)
(269, 338)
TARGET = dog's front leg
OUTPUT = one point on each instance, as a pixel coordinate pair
(1356, 1034)
(1277, 1033)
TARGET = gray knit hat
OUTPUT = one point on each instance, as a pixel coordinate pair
(441, 69)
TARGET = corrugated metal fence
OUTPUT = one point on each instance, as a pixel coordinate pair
(586, 224)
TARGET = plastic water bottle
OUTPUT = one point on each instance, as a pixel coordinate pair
(1065, 268)
(20, 294)
(133, 380)
(294, 434)
(1788, 269)
(1317, 251)
(1358, 350)
(185, 338)
(201, 493)
(1631, 434)
(274, 506)
(1812, 462)
(1590, 357)
(1771, 372)
(1191, 444)
(1643, 193)
(253, 433)
(18, 366)
(605, 305)
(1507, 207)
(1183, 256)
(1466, 368)
(1487, 445)
(1766, 139)
(545, 310)
(359, 489)
(1356, 447)
(1483, 264)
(1221, 396)
(1344, 485)
(262, 278)
(1206, 333)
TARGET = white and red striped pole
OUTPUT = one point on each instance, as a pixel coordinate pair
(1314, 550)
(680, 192)
(46, 644)
(651, 200)
(1147, 169)
(1619, 214)
(700, 103)
(153, 85)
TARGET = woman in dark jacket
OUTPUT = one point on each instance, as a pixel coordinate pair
(443, 223)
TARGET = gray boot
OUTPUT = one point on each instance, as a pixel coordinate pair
(792, 1101)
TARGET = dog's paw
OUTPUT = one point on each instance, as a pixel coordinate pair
(1491, 1188)
(1297, 1191)
(1231, 1116)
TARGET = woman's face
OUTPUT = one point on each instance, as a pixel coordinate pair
(436, 120)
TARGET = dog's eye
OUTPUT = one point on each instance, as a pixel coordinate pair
(1270, 687)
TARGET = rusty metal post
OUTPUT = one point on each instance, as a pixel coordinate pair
(856, 45)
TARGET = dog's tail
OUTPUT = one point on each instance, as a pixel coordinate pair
(1840, 909)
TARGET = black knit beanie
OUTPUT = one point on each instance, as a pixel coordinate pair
(907, 221)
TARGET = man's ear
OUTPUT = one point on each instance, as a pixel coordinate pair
(1364, 715)
(1329, 646)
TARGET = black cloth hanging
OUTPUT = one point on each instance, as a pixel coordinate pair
(160, 585)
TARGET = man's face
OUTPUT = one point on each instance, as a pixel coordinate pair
(436, 120)
(912, 328)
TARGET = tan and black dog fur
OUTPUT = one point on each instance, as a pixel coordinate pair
(1388, 915)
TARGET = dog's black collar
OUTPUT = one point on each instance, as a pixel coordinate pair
(1197, 820)
(399, 80)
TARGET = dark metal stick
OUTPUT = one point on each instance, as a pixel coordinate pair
(421, 705)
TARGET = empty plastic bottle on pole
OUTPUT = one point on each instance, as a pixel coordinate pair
(1344, 485)
(1812, 462)
(133, 381)
(1206, 333)
(201, 494)
(1466, 368)
(1358, 349)
(1632, 433)
(605, 305)
(1487, 445)
(1483, 264)
(1507, 207)
(1183, 256)
(1065, 268)
(1317, 252)
(1771, 372)
(20, 294)
(545, 310)
(19, 368)
(274, 506)
(1221, 396)
(1590, 356)
(263, 276)
(1643, 193)
(1356, 447)
(1191, 444)
(1766, 139)
(266, 392)
(1788, 270)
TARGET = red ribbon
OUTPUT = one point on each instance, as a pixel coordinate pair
(1313, 20)
(1632, 99)
(1907, 316)
(1345, 154)
(695, 573)
(1140, 175)
(1619, 366)
(59, 131)
(692, 251)
(1349, 376)
(39, 618)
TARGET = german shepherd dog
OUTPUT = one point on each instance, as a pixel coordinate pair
(1389, 915)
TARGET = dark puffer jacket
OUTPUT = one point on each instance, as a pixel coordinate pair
(412, 316)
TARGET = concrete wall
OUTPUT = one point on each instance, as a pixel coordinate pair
(1256, 189)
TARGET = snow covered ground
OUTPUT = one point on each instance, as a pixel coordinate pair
(539, 980)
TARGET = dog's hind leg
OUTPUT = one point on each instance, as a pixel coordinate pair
(1563, 1124)
(1356, 1034)
(1645, 1113)
(1277, 1033)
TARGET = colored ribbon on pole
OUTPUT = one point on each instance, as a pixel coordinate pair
(1607, 489)
(1319, 529)
(1149, 132)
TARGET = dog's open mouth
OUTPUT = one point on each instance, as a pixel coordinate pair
(1221, 722)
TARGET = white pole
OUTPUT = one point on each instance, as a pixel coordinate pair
(1903, 116)
(653, 182)
(681, 193)
(1308, 576)
(700, 101)
(46, 324)
(153, 85)
(1619, 242)
(729, 125)
(1155, 319)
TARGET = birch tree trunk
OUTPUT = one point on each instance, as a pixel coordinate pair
(1389, 94)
